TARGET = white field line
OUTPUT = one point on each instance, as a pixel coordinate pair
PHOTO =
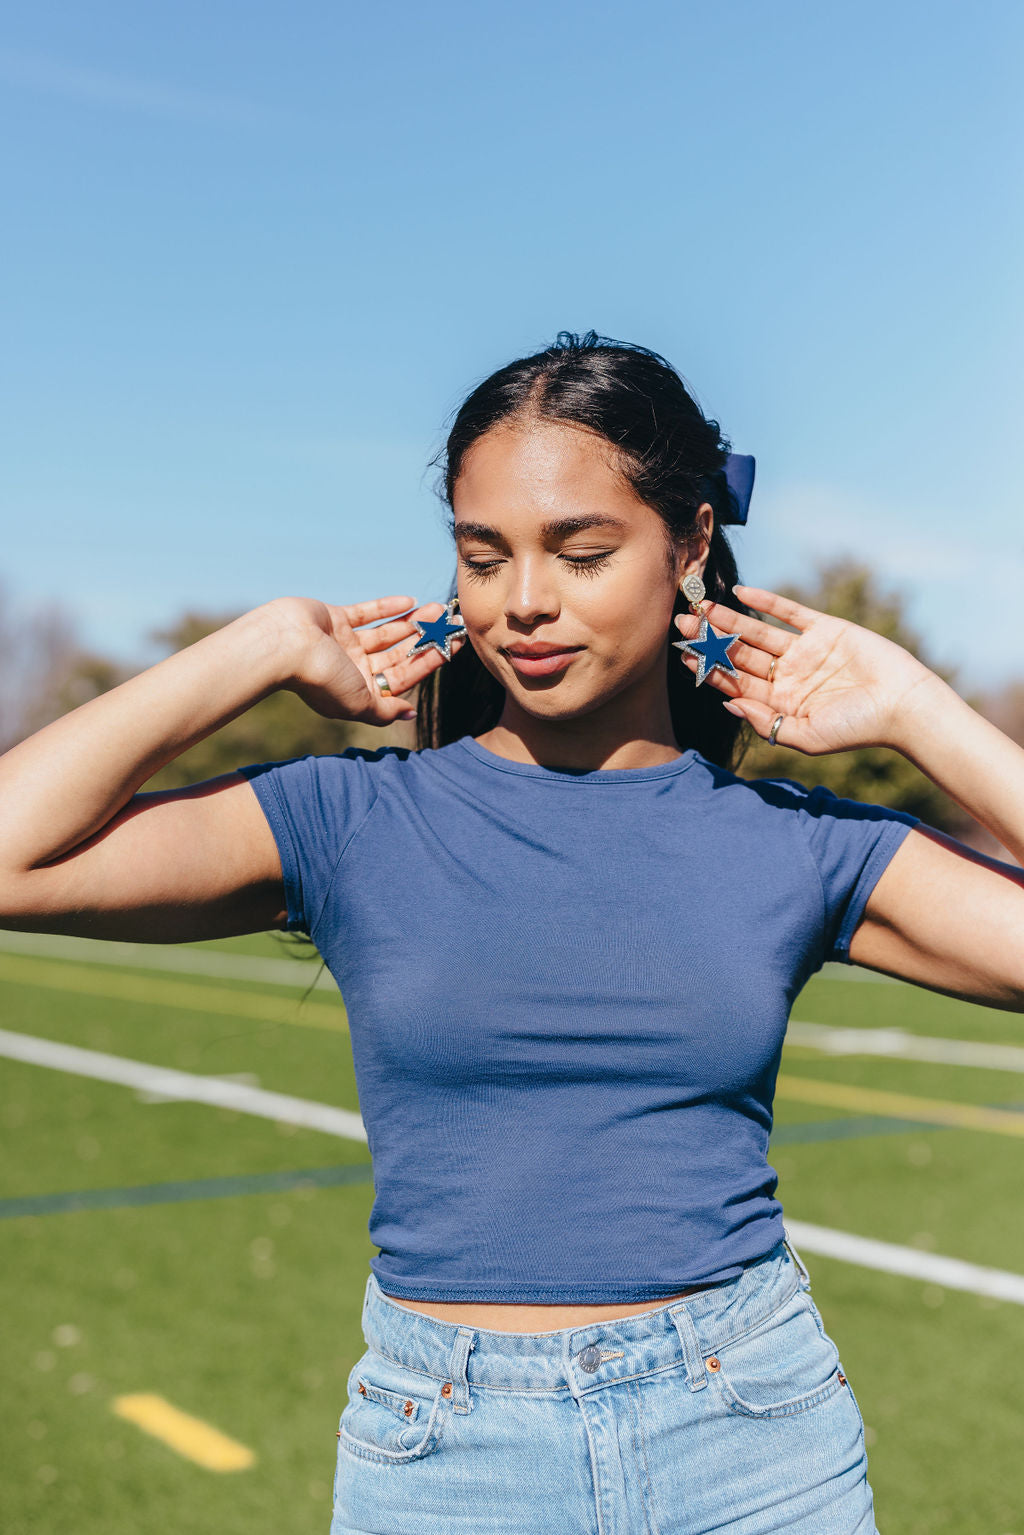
(176, 958)
(896, 1043)
(909, 1262)
(184, 1086)
(952, 1273)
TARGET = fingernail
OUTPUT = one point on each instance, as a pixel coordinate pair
(408, 714)
(732, 708)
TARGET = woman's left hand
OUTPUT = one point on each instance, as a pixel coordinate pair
(837, 684)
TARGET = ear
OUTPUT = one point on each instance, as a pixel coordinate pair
(693, 556)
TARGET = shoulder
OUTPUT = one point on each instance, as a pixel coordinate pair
(783, 794)
(357, 775)
(329, 786)
(354, 761)
(809, 805)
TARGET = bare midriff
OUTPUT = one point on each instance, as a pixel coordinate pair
(496, 1316)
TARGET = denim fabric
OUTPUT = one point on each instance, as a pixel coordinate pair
(726, 1411)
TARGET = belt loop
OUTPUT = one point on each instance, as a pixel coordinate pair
(695, 1372)
(805, 1282)
(461, 1400)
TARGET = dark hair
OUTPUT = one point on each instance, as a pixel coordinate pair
(673, 458)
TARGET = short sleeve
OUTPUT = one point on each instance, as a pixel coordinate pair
(851, 843)
(313, 806)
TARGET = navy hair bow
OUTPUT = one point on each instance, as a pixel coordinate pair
(739, 476)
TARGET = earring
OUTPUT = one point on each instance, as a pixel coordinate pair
(439, 632)
(693, 589)
(709, 648)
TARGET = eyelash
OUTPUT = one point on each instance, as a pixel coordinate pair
(584, 564)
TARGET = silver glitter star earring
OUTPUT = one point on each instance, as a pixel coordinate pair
(709, 648)
(439, 632)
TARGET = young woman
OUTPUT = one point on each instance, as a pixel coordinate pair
(568, 937)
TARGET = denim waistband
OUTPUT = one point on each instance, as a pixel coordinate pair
(583, 1358)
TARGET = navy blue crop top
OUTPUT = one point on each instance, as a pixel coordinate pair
(567, 994)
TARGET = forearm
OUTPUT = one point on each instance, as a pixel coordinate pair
(968, 757)
(69, 779)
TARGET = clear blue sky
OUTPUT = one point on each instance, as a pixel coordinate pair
(256, 254)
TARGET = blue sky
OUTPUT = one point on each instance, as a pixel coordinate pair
(256, 255)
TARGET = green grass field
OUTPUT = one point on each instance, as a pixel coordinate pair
(239, 1302)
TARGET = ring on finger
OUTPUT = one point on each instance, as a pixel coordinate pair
(382, 682)
(771, 669)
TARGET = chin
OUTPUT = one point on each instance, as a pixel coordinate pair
(551, 705)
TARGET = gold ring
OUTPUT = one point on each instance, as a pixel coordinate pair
(382, 682)
(771, 669)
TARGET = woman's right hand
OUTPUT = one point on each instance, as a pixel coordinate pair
(335, 657)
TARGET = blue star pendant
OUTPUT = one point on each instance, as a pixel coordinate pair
(710, 649)
(438, 632)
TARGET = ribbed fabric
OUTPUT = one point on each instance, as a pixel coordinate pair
(567, 994)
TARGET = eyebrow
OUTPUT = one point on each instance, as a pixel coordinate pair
(561, 527)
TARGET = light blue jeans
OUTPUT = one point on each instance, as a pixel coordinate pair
(728, 1410)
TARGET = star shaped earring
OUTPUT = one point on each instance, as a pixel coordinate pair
(710, 649)
(438, 632)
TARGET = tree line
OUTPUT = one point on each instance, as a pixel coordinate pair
(45, 671)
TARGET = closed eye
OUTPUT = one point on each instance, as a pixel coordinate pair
(586, 564)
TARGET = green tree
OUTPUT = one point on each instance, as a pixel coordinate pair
(877, 775)
(45, 671)
(274, 729)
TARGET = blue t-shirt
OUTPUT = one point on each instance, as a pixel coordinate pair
(567, 994)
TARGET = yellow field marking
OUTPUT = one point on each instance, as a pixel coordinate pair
(62, 975)
(872, 1100)
(189, 1436)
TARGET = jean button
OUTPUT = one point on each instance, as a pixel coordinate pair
(590, 1358)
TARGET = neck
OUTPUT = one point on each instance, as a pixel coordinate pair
(632, 730)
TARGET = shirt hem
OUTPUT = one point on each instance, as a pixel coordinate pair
(265, 790)
(891, 839)
(607, 1292)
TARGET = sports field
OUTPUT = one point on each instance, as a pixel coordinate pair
(182, 1281)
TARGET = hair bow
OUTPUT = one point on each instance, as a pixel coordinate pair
(739, 476)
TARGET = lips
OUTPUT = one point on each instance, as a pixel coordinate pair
(531, 651)
(541, 660)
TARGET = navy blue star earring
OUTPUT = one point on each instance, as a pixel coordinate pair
(709, 648)
(439, 632)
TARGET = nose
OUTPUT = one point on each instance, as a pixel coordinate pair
(532, 592)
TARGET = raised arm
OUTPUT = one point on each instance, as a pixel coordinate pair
(940, 915)
(82, 851)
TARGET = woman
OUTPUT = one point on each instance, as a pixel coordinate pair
(568, 937)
